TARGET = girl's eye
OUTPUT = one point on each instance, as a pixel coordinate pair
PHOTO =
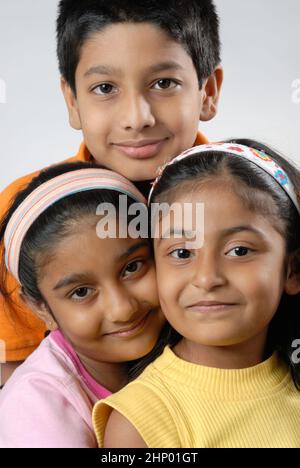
(103, 89)
(181, 254)
(165, 83)
(239, 252)
(132, 268)
(81, 293)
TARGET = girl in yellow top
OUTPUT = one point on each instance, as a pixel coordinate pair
(229, 375)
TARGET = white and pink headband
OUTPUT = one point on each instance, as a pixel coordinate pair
(259, 158)
(49, 193)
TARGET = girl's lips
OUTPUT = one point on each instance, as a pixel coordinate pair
(132, 331)
(141, 152)
(207, 308)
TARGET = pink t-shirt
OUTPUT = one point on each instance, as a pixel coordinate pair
(48, 401)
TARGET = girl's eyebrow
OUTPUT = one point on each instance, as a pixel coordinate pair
(134, 248)
(75, 278)
(181, 233)
(246, 227)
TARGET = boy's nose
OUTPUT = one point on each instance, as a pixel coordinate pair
(136, 113)
(208, 273)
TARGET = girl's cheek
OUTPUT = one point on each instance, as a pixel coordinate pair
(82, 321)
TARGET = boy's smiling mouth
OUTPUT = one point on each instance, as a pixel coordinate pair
(140, 149)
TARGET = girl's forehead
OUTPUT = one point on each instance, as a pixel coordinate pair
(224, 191)
(218, 210)
(90, 239)
(87, 255)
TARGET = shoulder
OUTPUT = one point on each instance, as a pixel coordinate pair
(33, 401)
(47, 370)
(9, 193)
(141, 410)
(120, 433)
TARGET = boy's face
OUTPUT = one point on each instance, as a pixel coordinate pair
(138, 101)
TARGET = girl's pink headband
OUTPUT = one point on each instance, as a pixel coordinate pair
(259, 158)
(49, 193)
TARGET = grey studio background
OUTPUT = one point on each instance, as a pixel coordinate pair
(260, 98)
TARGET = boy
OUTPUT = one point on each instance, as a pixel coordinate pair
(136, 77)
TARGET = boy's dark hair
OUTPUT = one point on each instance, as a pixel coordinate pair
(192, 23)
(284, 329)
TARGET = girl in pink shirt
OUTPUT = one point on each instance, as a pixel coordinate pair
(94, 288)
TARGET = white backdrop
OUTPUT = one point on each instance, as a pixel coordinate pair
(260, 98)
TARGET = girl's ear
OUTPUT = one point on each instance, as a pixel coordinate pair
(41, 310)
(292, 284)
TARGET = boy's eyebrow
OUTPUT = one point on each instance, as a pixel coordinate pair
(169, 65)
(101, 70)
(74, 278)
(109, 70)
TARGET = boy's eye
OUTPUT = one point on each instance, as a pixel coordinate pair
(181, 254)
(81, 293)
(132, 268)
(239, 251)
(104, 88)
(166, 83)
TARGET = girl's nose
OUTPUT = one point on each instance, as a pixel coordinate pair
(136, 113)
(208, 273)
(120, 305)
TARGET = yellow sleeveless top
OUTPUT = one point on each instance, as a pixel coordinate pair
(177, 404)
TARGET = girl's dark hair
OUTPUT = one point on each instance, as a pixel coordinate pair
(51, 226)
(192, 23)
(250, 180)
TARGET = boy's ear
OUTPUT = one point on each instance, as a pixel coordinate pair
(211, 94)
(41, 310)
(74, 117)
(292, 284)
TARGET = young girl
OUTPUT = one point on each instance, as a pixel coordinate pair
(97, 295)
(229, 376)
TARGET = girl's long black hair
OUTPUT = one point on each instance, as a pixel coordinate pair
(284, 329)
